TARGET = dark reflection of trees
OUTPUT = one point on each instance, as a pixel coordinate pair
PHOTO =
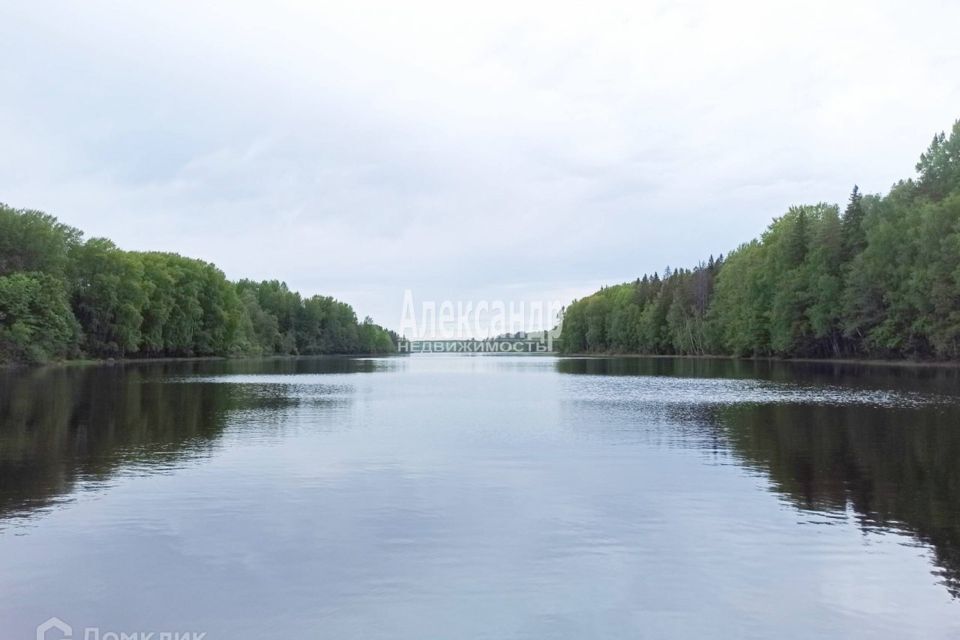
(270, 366)
(59, 425)
(897, 468)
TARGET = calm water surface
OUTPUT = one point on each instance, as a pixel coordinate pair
(482, 497)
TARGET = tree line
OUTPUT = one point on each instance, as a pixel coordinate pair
(880, 279)
(65, 297)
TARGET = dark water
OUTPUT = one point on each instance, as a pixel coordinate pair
(481, 497)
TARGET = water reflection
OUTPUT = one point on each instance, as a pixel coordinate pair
(883, 442)
(929, 379)
(896, 468)
(425, 496)
(60, 426)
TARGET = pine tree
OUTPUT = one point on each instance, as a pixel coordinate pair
(854, 237)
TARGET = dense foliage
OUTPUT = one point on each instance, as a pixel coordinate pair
(62, 297)
(881, 279)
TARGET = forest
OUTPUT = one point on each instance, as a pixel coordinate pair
(63, 297)
(880, 279)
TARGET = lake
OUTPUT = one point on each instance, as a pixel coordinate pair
(498, 497)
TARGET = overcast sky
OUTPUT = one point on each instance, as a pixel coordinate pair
(463, 151)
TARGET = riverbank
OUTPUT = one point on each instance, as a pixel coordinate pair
(837, 361)
(168, 359)
(943, 364)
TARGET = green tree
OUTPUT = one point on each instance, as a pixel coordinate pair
(854, 238)
(34, 241)
(939, 165)
(743, 298)
(36, 323)
(108, 297)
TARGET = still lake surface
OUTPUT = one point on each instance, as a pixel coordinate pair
(482, 497)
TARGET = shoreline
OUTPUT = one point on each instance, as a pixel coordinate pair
(932, 364)
(869, 362)
(82, 362)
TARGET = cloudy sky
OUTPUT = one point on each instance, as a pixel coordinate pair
(483, 151)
